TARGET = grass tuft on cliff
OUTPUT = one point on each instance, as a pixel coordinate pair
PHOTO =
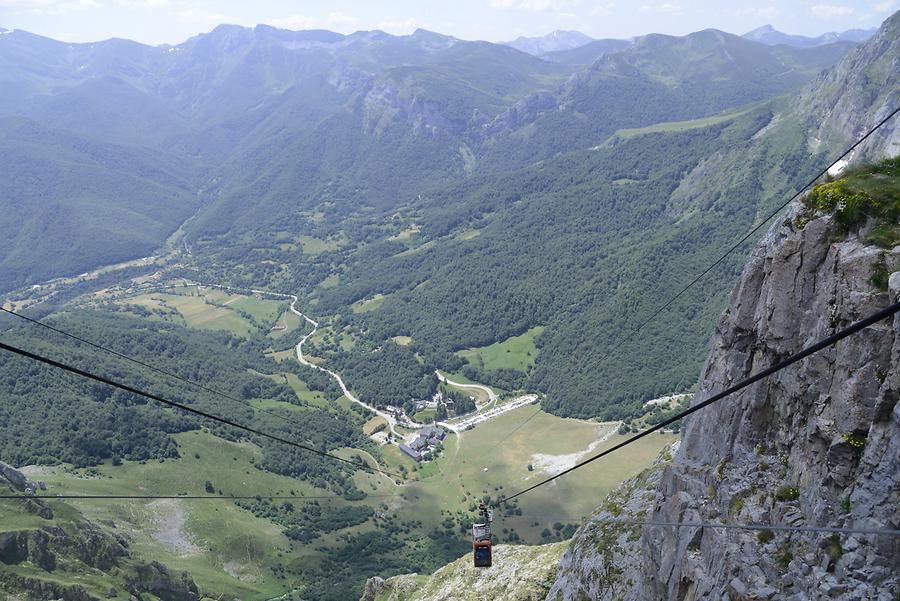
(868, 191)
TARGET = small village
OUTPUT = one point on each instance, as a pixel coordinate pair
(427, 445)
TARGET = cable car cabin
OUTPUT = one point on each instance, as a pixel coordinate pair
(481, 545)
(481, 538)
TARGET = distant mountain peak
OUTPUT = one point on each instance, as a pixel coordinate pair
(772, 37)
(554, 41)
(759, 31)
(559, 33)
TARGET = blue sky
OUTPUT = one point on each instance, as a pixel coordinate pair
(173, 21)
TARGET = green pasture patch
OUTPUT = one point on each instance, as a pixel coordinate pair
(468, 234)
(368, 304)
(290, 321)
(316, 246)
(516, 352)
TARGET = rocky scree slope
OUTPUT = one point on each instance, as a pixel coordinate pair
(519, 573)
(60, 555)
(817, 444)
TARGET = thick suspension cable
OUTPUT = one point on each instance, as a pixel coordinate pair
(750, 526)
(183, 407)
(183, 497)
(818, 346)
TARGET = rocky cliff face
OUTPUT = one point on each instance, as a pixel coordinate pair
(817, 444)
(847, 100)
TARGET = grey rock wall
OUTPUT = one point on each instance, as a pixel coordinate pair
(817, 444)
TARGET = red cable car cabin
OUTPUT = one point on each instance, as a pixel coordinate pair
(481, 538)
(481, 545)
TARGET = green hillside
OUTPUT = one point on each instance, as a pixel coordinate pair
(437, 206)
(72, 202)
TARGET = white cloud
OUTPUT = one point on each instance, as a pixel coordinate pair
(200, 16)
(602, 10)
(401, 27)
(533, 5)
(762, 12)
(887, 6)
(144, 3)
(27, 3)
(666, 8)
(831, 11)
(51, 7)
(335, 20)
(78, 5)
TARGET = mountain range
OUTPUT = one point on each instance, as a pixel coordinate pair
(433, 204)
(561, 45)
(249, 132)
(769, 35)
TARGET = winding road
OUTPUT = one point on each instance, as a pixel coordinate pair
(456, 426)
(492, 396)
(391, 420)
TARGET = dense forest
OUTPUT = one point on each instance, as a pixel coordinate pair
(54, 417)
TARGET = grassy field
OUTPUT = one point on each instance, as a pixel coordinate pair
(224, 547)
(679, 126)
(262, 310)
(517, 352)
(484, 462)
(286, 355)
(406, 234)
(195, 313)
(373, 424)
(468, 234)
(480, 395)
(313, 397)
(193, 308)
(331, 281)
(292, 323)
(425, 414)
(315, 246)
(369, 304)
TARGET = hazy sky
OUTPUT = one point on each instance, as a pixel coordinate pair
(173, 21)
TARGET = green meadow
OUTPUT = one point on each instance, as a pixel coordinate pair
(517, 352)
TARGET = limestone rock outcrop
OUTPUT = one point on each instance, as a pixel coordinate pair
(817, 444)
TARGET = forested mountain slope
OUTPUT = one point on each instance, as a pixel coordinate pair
(255, 118)
(428, 169)
(589, 243)
(72, 202)
(661, 78)
(588, 53)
